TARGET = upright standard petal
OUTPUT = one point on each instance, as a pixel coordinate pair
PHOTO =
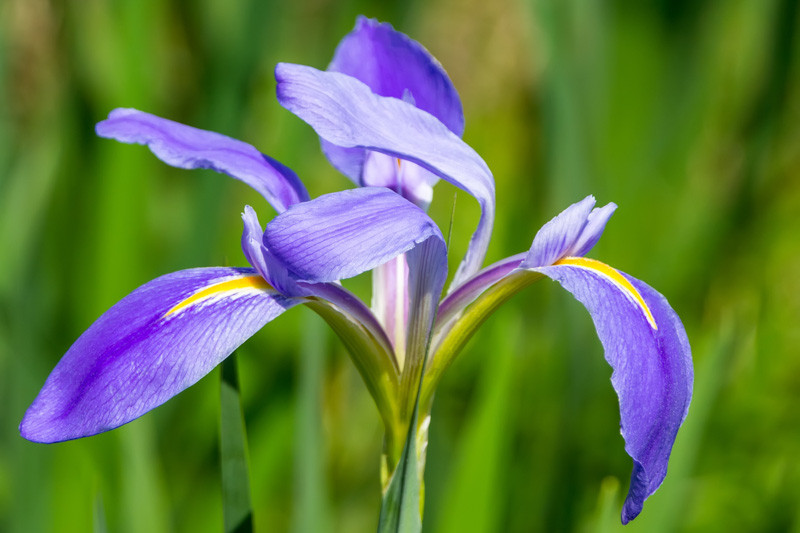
(342, 234)
(392, 64)
(347, 113)
(646, 345)
(187, 147)
(154, 343)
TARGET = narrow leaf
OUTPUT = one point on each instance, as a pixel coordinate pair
(400, 509)
(237, 511)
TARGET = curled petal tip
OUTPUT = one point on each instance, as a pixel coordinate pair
(634, 502)
(30, 430)
(554, 240)
(249, 213)
(595, 225)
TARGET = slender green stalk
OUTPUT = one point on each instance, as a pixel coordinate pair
(237, 511)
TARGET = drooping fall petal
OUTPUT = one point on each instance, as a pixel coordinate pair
(646, 345)
(644, 340)
(151, 345)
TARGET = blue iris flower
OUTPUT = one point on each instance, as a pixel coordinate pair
(389, 118)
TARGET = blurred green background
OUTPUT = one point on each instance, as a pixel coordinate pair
(685, 113)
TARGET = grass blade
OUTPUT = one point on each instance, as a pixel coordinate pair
(237, 510)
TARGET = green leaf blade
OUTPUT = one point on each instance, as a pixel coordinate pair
(237, 509)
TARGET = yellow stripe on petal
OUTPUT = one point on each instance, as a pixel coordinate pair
(245, 283)
(614, 277)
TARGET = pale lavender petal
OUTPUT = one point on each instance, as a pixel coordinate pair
(270, 268)
(340, 235)
(154, 343)
(392, 64)
(555, 238)
(253, 248)
(652, 369)
(416, 183)
(595, 224)
(380, 170)
(427, 272)
(407, 179)
(390, 299)
(187, 147)
(345, 112)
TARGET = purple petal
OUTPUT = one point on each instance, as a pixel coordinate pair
(348, 161)
(154, 343)
(345, 112)
(187, 147)
(652, 366)
(270, 268)
(427, 272)
(252, 246)
(392, 64)
(554, 239)
(340, 235)
(410, 181)
(595, 225)
(390, 299)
